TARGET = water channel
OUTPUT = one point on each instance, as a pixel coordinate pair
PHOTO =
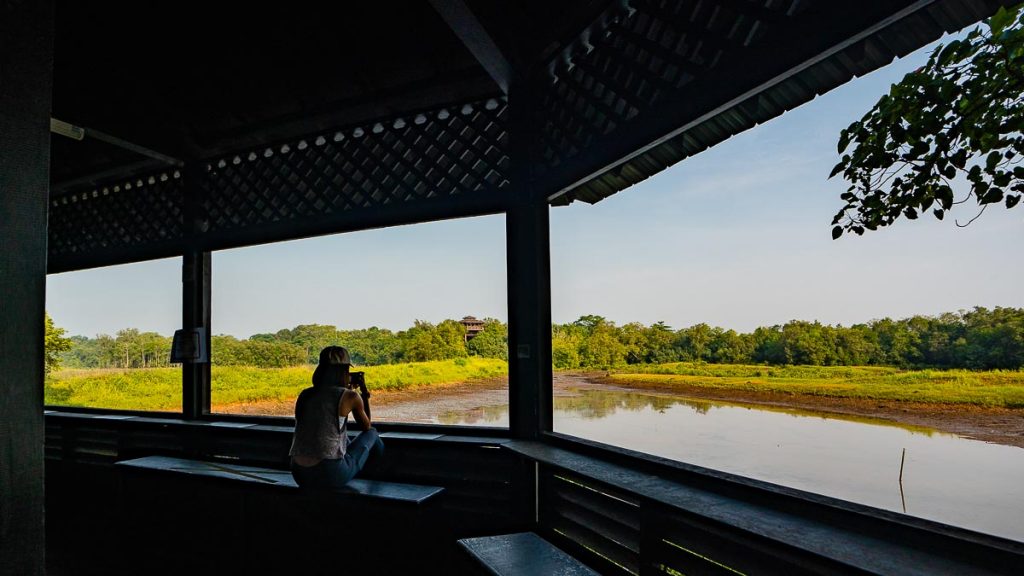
(947, 478)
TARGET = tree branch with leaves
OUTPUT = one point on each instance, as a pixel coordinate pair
(957, 119)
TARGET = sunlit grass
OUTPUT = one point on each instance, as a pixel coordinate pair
(995, 388)
(159, 389)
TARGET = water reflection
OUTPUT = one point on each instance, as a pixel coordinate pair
(946, 478)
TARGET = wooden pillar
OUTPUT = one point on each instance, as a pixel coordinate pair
(26, 70)
(195, 292)
(196, 296)
(529, 305)
(529, 279)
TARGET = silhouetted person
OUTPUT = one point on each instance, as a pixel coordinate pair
(321, 455)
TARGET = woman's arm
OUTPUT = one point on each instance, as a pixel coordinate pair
(352, 402)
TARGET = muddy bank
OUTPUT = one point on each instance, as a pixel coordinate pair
(419, 405)
(996, 425)
(482, 402)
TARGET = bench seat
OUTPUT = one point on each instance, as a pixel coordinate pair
(393, 492)
(522, 553)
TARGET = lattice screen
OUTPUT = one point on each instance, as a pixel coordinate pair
(144, 210)
(450, 151)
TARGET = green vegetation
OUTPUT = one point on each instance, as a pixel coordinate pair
(54, 343)
(159, 389)
(797, 357)
(978, 339)
(130, 348)
(1002, 389)
(958, 117)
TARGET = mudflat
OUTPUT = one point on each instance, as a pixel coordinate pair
(473, 399)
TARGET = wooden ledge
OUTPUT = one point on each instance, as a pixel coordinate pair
(396, 492)
(876, 550)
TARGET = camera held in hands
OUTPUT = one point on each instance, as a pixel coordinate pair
(357, 381)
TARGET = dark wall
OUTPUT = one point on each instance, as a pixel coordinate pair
(101, 519)
(26, 55)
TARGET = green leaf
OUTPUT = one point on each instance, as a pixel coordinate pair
(939, 213)
(992, 196)
(844, 140)
(948, 53)
(836, 170)
(1000, 20)
(1012, 201)
(993, 158)
(837, 232)
(945, 196)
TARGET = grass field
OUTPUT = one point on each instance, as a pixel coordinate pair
(159, 389)
(1003, 389)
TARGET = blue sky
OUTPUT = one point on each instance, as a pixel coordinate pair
(737, 236)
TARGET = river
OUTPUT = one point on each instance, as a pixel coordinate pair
(954, 480)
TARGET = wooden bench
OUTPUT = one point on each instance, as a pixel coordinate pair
(391, 492)
(522, 553)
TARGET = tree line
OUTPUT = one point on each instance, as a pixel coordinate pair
(130, 348)
(975, 339)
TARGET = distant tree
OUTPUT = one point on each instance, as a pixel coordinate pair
(729, 347)
(312, 338)
(492, 341)
(635, 339)
(694, 342)
(807, 343)
(768, 345)
(961, 115)
(600, 346)
(54, 343)
(452, 337)
(856, 345)
(425, 341)
(897, 343)
(565, 345)
(660, 348)
(589, 322)
(371, 346)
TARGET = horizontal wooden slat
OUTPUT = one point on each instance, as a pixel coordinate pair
(595, 542)
(625, 513)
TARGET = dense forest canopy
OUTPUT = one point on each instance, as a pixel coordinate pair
(975, 339)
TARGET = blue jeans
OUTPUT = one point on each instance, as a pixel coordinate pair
(335, 473)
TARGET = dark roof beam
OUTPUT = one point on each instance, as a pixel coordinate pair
(478, 40)
(80, 133)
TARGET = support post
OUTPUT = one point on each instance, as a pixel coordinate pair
(196, 273)
(528, 258)
(26, 73)
(529, 309)
(195, 290)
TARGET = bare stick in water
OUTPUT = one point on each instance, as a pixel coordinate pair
(902, 498)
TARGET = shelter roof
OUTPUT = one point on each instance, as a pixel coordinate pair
(220, 125)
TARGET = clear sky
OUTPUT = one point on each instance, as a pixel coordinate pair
(737, 236)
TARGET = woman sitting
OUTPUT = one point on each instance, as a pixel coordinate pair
(321, 455)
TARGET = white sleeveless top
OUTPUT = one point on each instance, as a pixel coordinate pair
(319, 431)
